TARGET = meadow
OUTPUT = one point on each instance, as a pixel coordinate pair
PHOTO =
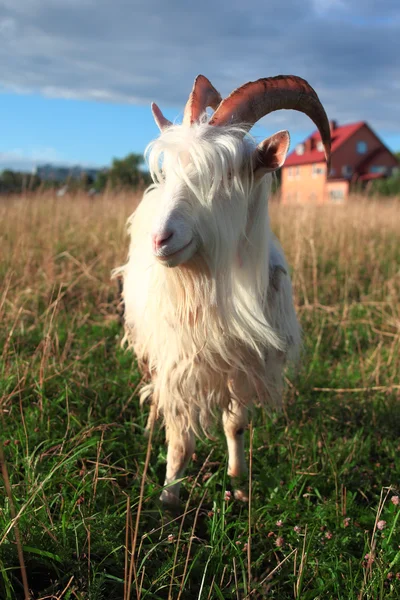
(79, 510)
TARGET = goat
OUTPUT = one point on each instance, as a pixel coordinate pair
(208, 299)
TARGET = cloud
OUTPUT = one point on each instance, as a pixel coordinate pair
(134, 51)
(26, 160)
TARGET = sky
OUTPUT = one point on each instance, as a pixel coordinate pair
(77, 76)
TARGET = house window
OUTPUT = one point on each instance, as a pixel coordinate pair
(336, 195)
(320, 147)
(332, 172)
(317, 170)
(297, 172)
(347, 171)
(362, 147)
(377, 169)
(290, 173)
(300, 149)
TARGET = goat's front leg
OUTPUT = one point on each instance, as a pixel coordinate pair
(235, 421)
(180, 449)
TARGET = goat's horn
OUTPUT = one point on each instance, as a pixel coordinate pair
(203, 94)
(161, 121)
(250, 102)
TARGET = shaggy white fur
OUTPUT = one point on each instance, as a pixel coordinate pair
(216, 317)
(220, 323)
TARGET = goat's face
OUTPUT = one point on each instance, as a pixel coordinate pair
(206, 189)
(174, 233)
(204, 193)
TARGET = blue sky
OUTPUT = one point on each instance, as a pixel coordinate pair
(77, 76)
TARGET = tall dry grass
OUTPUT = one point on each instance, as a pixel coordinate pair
(57, 254)
(66, 246)
(337, 253)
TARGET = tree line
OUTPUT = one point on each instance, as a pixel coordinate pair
(123, 173)
(128, 173)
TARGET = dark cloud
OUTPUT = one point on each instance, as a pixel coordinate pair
(131, 51)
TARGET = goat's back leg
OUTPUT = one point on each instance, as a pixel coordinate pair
(235, 421)
(181, 446)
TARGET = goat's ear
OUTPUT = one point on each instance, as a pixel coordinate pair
(271, 153)
(161, 122)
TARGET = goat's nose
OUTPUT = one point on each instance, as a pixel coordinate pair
(159, 239)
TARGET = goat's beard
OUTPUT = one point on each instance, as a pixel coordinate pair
(197, 350)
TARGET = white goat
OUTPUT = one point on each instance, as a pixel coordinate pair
(208, 299)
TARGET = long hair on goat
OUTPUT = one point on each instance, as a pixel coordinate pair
(202, 326)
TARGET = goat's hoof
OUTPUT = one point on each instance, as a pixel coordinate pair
(169, 499)
(241, 495)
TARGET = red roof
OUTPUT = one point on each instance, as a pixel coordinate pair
(368, 176)
(339, 135)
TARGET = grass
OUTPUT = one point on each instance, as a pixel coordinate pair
(79, 494)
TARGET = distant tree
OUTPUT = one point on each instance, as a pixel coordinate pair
(124, 173)
(17, 182)
(387, 187)
(100, 182)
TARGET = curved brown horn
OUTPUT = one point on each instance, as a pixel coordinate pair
(252, 101)
(203, 94)
(161, 121)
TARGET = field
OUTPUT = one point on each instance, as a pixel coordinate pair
(79, 489)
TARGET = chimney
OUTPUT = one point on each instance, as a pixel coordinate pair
(332, 125)
(308, 145)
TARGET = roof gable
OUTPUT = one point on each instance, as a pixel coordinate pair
(339, 136)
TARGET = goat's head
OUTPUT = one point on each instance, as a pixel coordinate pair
(208, 168)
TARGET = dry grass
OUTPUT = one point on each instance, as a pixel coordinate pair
(49, 243)
(81, 479)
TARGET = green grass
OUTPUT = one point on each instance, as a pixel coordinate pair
(324, 472)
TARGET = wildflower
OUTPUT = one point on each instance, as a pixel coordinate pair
(369, 559)
(271, 534)
(297, 529)
(280, 542)
(171, 538)
(245, 547)
(346, 522)
(381, 525)
(329, 535)
(279, 523)
(228, 496)
(395, 500)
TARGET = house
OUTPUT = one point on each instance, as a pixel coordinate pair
(358, 156)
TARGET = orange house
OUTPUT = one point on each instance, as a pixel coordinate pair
(358, 155)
